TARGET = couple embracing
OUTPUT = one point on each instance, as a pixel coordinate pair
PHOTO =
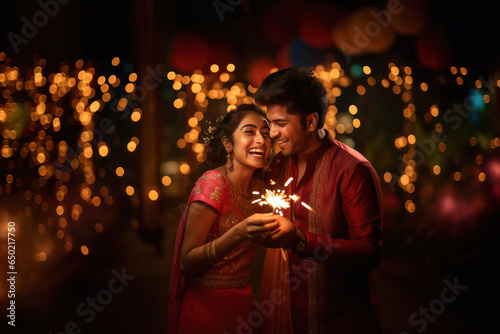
(323, 282)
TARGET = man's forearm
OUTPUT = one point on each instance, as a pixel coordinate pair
(358, 254)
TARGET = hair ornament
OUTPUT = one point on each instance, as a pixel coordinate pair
(210, 131)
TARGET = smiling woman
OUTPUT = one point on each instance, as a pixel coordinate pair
(219, 232)
(250, 144)
(230, 131)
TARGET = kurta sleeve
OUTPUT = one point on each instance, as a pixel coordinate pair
(209, 189)
(361, 204)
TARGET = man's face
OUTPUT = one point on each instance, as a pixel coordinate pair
(287, 130)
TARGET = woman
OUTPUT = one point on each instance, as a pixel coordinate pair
(218, 235)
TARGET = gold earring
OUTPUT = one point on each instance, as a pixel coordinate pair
(229, 163)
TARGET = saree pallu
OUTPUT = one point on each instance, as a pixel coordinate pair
(275, 286)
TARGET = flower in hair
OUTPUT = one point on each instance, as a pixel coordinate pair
(209, 133)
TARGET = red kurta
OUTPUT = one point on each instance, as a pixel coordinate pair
(332, 283)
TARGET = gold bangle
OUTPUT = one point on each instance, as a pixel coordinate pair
(206, 250)
(214, 252)
(211, 252)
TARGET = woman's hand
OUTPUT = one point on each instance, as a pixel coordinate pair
(200, 220)
(257, 227)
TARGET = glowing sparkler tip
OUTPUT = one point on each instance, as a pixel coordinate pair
(277, 199)
(307, 206)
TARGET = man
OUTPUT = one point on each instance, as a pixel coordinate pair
(335, 245)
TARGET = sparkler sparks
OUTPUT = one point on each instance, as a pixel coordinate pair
(275, 198)
(278, 199)
(307, 206)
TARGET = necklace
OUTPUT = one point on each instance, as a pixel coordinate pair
(226, 174)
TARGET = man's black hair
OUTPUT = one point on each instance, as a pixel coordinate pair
(297, 88)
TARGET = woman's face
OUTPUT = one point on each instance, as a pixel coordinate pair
(251, 142)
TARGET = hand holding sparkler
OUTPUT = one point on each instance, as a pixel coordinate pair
(257, 227)
(285, 236)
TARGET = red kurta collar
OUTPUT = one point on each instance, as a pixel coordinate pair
(313, 158)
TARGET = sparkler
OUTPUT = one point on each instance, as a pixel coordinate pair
(279, 200)
(275, 198)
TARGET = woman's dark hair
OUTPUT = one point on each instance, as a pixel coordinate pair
(297, 88)
(215, 152)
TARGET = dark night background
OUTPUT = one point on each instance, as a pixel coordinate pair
(421, 249)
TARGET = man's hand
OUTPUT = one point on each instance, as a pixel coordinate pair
(285, 236)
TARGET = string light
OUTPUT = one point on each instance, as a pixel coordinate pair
(88, 95)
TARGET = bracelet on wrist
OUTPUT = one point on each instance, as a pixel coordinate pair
(211, 252)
